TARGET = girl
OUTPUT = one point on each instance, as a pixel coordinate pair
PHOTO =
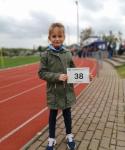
(60, 95)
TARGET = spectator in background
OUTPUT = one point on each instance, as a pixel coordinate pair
(110, 50)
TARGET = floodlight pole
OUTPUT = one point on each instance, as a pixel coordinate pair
(77, 21)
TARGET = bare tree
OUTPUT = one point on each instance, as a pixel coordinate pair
(85, 34)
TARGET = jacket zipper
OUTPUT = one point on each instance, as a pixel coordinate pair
(64, 83)
(55, 92)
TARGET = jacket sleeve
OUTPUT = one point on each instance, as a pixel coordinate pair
(44, 72)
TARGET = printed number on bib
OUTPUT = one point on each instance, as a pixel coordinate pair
(78, 75)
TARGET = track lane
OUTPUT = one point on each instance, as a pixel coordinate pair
(17, 82)
(16, 74)
(22, 109)
(16, 89)
(22, 136)
(26, 115)
(10, 92)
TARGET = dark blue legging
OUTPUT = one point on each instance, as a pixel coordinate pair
(52, 121)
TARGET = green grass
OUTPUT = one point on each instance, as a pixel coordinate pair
(121, 70)
(16, 61)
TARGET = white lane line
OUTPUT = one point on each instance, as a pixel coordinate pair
(77, 84)
(25, 123)
(22, 125)
(18, 67)
(18, 75)
(11, 84)
(2, 101)
(7, 99)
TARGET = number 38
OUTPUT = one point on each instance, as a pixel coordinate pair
(78, 75)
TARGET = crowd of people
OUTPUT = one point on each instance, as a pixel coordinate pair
(110, 48)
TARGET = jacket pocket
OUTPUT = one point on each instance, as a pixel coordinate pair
(51, 97)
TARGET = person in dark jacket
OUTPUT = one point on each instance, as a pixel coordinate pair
(110, 50)
(60, 94)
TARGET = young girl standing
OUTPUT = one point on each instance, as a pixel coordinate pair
(60, 95)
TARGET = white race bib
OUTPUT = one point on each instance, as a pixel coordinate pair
(78, 75)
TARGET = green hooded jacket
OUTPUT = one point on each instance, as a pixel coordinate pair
(60, 95)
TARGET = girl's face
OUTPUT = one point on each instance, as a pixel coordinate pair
(57, 37)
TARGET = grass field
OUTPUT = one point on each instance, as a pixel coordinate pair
(121, 70)
(21, 60)
(16, 61)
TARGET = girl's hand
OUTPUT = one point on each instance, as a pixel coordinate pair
(63, 77)
(91, 77)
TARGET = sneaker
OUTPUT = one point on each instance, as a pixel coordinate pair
(70, 142)
(51, 144)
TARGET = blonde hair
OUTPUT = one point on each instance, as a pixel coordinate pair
(53, 25)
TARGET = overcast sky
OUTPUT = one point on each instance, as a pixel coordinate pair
(25, 23)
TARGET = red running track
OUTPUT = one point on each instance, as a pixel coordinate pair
(23, 110)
